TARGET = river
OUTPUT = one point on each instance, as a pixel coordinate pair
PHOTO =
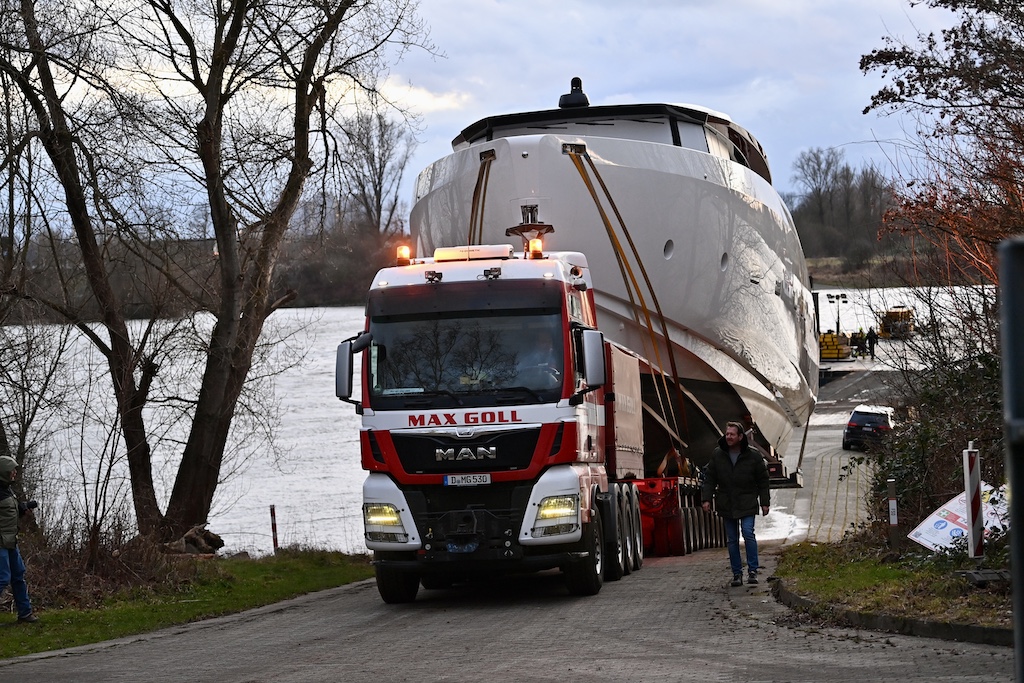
(316, 488)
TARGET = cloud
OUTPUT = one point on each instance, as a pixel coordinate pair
(425, 102)
(787, 70)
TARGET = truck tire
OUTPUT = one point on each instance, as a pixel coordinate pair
(396, 586)
(638, 528)
(586, 576)
(626, 514)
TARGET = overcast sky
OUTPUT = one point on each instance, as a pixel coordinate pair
(786, 70)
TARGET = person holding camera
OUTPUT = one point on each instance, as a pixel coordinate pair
(12, 568)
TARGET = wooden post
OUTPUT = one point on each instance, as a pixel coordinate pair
(273, 526)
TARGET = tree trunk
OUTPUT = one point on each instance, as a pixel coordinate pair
(59, 145)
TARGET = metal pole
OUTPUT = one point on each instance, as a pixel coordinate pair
(1011, 291)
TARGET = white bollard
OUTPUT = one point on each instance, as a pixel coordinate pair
(975, 514)
(894, 517)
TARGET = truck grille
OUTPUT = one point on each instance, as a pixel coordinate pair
(496, 452)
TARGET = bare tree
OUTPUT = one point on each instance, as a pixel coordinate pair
(146, 112)
(376, 151)
(840, 211)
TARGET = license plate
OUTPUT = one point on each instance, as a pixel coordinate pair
(466, 479)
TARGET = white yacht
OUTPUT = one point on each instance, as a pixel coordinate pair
(686, 238)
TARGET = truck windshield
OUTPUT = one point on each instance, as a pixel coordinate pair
(474, 359)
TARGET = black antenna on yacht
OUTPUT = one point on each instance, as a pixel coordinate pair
(575, 97)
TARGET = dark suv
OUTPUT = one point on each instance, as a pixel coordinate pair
(866, 425)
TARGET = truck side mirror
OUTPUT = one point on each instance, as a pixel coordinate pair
(344, 366)
(595, 372)
(343, 371)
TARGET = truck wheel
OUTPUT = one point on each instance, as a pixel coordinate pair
(586, 576)
(396, 586)
(638, 528)
(626, 515)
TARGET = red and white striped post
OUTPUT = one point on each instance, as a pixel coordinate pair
(273, 526)
(975, 514)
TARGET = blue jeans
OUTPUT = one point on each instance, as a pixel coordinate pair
(12, 571)
(733, 529)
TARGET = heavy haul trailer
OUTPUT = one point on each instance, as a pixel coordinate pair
(501, 432)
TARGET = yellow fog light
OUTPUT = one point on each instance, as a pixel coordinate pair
(557, 515)
(383, 523)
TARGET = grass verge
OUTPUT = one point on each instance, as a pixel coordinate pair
(215, 587)
(865, 577)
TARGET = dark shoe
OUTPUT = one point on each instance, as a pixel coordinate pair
(29, 618)
(737, 580)
(752, 577)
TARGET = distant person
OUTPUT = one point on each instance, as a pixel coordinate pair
(12, 568)
(872, 340)
(860, 342)
(736, 478)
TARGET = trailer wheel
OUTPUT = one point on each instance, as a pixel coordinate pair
(688, 530)
(586, 576)
(397, 586)
(638, 528)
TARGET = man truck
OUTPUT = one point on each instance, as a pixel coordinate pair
(501, 431)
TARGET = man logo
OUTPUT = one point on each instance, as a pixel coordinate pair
(480, 453)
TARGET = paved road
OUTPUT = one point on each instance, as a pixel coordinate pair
(675, 620)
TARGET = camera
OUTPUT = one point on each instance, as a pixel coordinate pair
(26, 505)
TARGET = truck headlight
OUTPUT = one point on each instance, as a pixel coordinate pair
(557, 515)
(383, 523)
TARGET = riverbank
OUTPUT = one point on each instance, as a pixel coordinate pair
(831, 272)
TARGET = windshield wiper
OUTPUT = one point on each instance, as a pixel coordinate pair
(436, 392)
(516, 389)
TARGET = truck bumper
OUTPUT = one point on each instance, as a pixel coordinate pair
(478, 564)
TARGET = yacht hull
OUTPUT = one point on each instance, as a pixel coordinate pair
(701, 239)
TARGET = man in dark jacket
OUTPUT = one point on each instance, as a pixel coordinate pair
(12, 568)
(872, 340)
(737, 479)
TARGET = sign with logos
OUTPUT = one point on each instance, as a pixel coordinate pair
(941, 528)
